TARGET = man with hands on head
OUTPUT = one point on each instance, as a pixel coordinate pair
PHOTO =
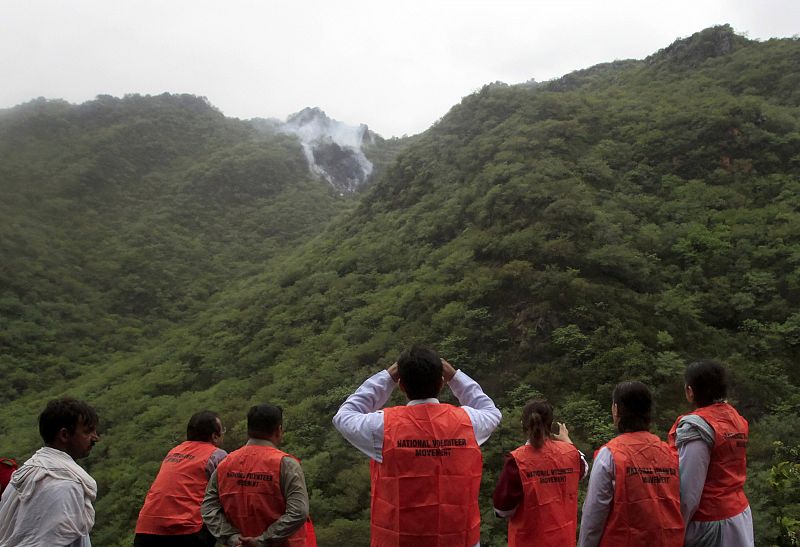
(426, 462)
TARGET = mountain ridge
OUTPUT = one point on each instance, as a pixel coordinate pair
(546, 240)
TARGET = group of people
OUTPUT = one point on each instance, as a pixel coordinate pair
(426, 468)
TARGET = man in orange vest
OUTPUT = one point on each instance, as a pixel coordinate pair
(634, 488)
(712, 443)
(170, 516)
(426, 462)
(257, 496)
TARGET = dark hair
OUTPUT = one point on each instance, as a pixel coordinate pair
(537, 419)
(202, 426)
(420, 369)
(708, 381)
(634, 406)
(65, 413)
(263, 420)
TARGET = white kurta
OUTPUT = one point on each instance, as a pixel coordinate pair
(48, 502)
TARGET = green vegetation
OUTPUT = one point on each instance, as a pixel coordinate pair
(613, 224)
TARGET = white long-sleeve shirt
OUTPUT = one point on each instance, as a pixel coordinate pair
(48, 502)
(360, 419)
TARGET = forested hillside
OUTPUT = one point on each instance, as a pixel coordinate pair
(610, 225)
(122, 217)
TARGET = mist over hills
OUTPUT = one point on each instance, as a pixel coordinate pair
(335, 151)
(159, 258)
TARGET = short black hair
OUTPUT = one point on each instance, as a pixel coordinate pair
(634, 406)
(202, 426)
(263, 420)
(420, 369)
(65, 413)
(708, 380)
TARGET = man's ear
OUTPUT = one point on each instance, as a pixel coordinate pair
(402, 386)
(63, 436)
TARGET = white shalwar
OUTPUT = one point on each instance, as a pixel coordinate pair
(48, 503)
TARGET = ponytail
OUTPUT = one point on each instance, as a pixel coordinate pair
(537, 433)
(537, 419)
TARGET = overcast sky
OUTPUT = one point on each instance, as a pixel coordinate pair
(397, 66)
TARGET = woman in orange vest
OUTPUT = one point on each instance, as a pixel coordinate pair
(538, 488)
(634, 489)
(711, 442)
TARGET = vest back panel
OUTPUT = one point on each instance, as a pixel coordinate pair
(425, 492)
(172, 505)
(647, 501)
(548, 515)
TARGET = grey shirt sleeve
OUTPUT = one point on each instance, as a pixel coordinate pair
(694, 439)
(213, 461)
(214, 516)
(293, 486)
(693, 458)
(599, 498)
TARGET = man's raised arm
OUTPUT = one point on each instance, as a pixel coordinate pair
(360, 420)
(481, 409)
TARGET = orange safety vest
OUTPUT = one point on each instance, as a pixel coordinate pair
(425, 492)
(723, 493)
(172, 505)
(548, 514)
(647, 500)
(249, 481)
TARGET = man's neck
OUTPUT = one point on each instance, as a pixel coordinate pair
(422, 401)
(59, 448)
(255, 441)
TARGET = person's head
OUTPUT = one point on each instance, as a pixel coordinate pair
(265, 422)
(706, 382)
(205, 427)
(537, 421)
(69, 425)
(631, 407)
(420, 371)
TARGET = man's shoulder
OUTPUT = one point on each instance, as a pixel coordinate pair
(60, 487)
(425, 408)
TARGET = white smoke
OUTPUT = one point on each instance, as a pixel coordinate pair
(316, 130)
